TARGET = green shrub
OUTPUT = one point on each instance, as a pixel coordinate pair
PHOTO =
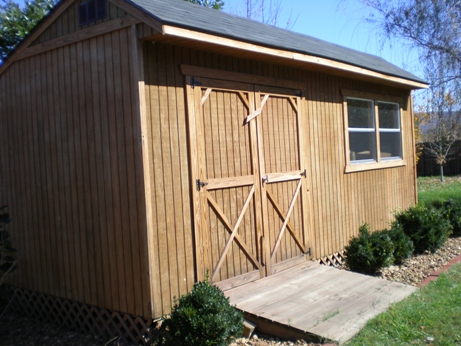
(368, 253)
(403, 246)
(427, 227)
(202, 317)
(452, 211)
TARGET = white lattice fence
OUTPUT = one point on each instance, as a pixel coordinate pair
(334, 260)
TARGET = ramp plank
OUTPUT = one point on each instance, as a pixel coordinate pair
(317, 300)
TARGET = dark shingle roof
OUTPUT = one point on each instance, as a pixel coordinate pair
(183, 14)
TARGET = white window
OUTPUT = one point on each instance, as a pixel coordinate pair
(362, 130)
(390, 139)
(373, 132)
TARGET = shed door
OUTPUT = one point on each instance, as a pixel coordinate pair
(283, 176)
(248, 178)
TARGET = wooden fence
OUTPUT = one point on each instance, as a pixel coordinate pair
(427, 165)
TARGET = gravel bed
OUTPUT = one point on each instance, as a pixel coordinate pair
(417, 268)
(23, 331)
(268, 341)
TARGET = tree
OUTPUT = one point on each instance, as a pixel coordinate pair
(442, 127)
(267, 12)
(419, 119)
(432, 28)
(264, 12)
(216, 4)
(16, 22)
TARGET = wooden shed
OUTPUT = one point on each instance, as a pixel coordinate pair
(146, 142)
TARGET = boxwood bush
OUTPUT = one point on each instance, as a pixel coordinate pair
(202, 317)
(427, 227)
(452, 211)
(369, 252)
(403, 246)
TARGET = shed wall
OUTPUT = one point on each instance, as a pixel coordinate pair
(67, 22)
(340, 202)
(71, 174)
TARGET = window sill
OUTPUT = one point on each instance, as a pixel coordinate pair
(359, 167)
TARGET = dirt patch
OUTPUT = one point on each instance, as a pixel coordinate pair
(25, 331)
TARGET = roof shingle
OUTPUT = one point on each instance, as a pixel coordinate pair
(184, 14)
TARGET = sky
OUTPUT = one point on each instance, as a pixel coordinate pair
(341, 22)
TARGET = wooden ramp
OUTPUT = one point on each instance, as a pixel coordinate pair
(313, 301)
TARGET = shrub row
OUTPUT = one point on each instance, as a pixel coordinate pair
(451, 210)
(420, 228)
(369, 252)
(427, 227)
(205, 317)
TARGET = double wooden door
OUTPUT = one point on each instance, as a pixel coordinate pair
(249, 179)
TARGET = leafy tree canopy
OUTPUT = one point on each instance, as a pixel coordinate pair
(216, 4)
(431, 26)
(17, 22)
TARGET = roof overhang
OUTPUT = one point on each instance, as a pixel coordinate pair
(172, 33)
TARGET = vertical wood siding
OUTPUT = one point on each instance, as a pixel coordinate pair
(340, 202)
(227, 154)
(280, 141)
(67, 23)
(71, 168)
(172, 209)
(71, 174)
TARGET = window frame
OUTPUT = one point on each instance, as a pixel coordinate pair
(91, 11)
(378, 163)
(398, 130)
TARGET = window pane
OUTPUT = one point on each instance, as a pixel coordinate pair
(388, 115)
(362, 146)
(360, 113)
(390, 145)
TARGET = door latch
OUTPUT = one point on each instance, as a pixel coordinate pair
(200, 184)
(265, 179)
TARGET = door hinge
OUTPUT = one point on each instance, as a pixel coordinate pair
(200, 184)
(194, 82)
(308, 252)
(303, 174)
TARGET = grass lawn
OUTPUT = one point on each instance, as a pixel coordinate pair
(430, 188)
(434, 311)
